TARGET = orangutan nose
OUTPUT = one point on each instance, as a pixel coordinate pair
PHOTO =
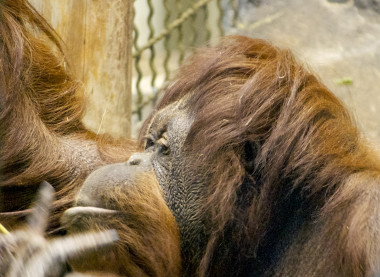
(140, 159)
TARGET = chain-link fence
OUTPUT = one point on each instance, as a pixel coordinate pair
(165, 31)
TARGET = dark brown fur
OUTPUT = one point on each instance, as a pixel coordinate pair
(281, 144)
(42, 137)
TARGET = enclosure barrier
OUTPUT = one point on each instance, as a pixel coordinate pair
(171, 28)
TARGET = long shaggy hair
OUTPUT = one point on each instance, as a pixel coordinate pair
(280, 140)
(34, 79)
(41, 107)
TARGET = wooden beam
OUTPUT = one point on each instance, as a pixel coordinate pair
(98, 43)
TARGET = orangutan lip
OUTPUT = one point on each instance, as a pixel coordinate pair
(89, 210)
(76, 217)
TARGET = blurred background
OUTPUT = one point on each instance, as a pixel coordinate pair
(124, 51)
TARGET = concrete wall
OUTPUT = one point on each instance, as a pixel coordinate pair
(339, 39)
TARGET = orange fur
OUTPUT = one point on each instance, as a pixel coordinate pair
(42, 137)
(149, 239)
(307, 156)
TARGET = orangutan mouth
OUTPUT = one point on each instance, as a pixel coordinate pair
(77, 216)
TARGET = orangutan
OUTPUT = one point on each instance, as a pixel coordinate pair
(261, 166)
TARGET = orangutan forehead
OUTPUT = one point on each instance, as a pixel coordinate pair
(176, 113)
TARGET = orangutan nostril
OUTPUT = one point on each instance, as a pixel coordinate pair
(136, 161)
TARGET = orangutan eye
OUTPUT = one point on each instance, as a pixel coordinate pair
(163, 145)
(148, 143)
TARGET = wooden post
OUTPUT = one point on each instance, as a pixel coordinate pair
(98, 43)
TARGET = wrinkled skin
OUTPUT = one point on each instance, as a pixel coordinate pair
(131, 202)
(181, 181)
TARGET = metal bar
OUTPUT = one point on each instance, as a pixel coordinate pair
(234, 6)
(137, 58)
(166, 41)
(221, 16)
(181, 48)
(152, 50)
(193, 32)
(207, 27)
(186, 14)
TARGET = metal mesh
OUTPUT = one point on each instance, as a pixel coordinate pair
(171, 28)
